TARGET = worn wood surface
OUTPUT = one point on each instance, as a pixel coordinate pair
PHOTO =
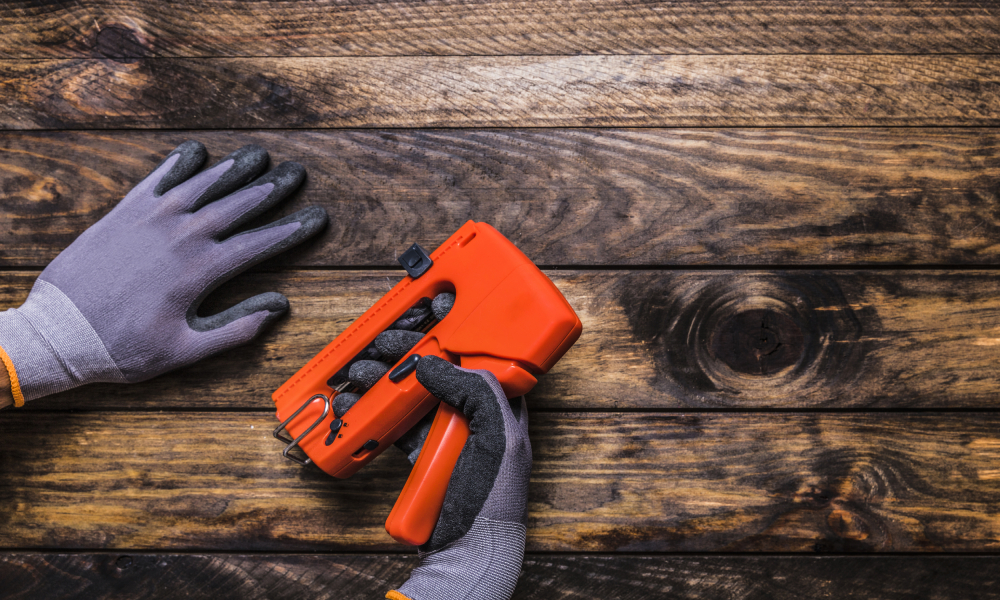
(565, 197)
(214, 28)
(521, 91)
(840, 339)
(854, 137)
(596, 577)
(638, 482)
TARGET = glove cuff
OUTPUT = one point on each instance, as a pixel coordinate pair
(484, 564)
(15, 385)
(51, 346)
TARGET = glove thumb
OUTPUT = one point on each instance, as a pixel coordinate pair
(236, 325)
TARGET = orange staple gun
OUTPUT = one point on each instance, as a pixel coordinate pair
(508, 318)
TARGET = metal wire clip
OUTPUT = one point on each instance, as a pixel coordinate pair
(295, 443)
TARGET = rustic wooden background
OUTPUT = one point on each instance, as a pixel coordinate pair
(778, 221)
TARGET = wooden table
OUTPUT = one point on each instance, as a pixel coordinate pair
(778, 221)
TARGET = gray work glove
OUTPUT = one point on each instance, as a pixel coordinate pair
(477, 547)
(120, 304)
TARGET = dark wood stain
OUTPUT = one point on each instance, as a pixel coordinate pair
(705, 329)
(593, 577)
(871, 339)
(641, 197)
(841, 136)
(454, 27)
(757, 341)
(519, 91)
(216, 481)
(119, 42)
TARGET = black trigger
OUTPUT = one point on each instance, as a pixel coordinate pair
(405, 368)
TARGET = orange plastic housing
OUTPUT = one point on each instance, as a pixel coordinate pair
(508, 318)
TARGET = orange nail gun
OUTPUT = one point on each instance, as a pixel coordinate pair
(507, 318)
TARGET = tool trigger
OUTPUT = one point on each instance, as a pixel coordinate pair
(405, 368)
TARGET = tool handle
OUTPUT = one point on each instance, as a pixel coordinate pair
(418, 507)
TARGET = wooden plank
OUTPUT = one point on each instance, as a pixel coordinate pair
(507, 91)
(602, 577)
(652, 340)
(565, 197)
(605, 482)
(107, 28)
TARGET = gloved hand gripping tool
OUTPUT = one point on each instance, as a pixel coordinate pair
(507, 318)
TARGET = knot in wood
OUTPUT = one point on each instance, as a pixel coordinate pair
(758, 341)
(748, 339)
(120, 42)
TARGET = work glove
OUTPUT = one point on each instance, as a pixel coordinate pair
(477, 547)
(120, 304)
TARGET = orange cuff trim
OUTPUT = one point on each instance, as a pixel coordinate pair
(394, 595)
(15, 386)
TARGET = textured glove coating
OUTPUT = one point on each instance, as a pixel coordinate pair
(477, 547)
(391, 345)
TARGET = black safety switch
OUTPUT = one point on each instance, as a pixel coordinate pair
(416, 261)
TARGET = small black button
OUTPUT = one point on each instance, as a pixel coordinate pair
(405, 368)
(416, 261)
(370, 445)
(334, 428)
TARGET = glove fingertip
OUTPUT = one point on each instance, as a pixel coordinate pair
(394, 343)
(442, 379)
(255, 149)
(273, 303)
(442, 305)
(192, 155)
(288, 175)
(191, 147)
(276, 304)
(431, 367)
(246, 164)
(365, 373)
(313, 219)
(343, 402)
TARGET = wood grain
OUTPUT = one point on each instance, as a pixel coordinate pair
(204, 475)
(866, 340)
(609, 482)
(596, 577)
(565, 197)
(507, 91)
(106, 28)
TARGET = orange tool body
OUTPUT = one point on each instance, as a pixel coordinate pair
(507, 318)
